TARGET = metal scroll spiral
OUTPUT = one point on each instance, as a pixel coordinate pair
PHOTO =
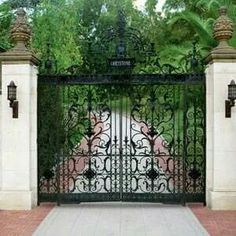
(151, 140)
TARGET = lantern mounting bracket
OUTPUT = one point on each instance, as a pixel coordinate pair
(228, 105)
(14, 105)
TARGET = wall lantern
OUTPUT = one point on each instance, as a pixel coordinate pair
(231, 99)
(11, 96)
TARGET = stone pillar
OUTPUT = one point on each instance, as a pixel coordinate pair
(221, 131)
(18, 148)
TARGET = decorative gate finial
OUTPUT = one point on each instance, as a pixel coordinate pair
(223, 28)
(20, 31)
(121, 24)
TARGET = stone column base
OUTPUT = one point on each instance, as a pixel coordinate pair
(17, 200)
(220, 200)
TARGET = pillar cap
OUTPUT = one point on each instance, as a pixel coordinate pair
(223, 27)
(20, 35)
(20, 31)
(223, 32)
(13, 57)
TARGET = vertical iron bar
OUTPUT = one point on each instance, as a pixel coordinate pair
(153, 101)
(120, 144)
(195, 140)
(204, 130)
(115, 142)
(111, 129)
(184, 144)
(89, 129)
(64, 94)
(174, 135)
(130, 139)
(38, 128)
(63, 159)
(179, 140)
(126, 143)
(57, 155)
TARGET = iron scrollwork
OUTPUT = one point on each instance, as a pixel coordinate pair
(119, 135)
(126, 142)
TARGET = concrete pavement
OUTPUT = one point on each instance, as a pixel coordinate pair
(120, 219)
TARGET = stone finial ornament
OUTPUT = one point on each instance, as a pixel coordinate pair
(223, 28)
(20, 31)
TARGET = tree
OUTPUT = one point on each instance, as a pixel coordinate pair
(58, 28)
(72, 26)
(6, 17)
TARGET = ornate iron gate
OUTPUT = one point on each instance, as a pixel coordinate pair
(122, 136)
(118, 138)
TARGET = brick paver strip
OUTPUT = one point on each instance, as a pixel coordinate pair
(217, 223)
(23, 223)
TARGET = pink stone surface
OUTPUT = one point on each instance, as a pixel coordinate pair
(217, 223)
(23, 223)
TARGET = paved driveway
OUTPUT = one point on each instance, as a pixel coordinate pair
(120, 219)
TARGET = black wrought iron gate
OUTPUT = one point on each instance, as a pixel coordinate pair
(111, 138)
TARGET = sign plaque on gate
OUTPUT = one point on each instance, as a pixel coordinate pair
(121, 63)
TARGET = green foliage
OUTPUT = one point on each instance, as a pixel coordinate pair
(200, 26)
(200, 16)
(70, 25)
(5, 22)
(59, 28)
(51, 135)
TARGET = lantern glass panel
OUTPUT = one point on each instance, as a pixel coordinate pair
(11, 92)
(232, 91)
